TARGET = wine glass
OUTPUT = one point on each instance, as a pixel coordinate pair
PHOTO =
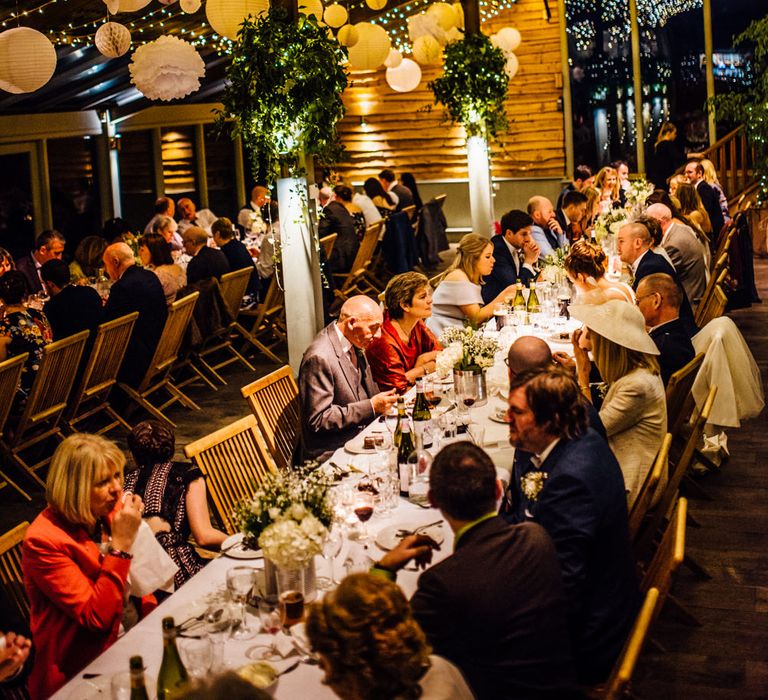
(364, 503)
(331, 549)
(240, 582)
(467, 392)
(218, 622)
(269, 617)
(390, 420)
(432, 392)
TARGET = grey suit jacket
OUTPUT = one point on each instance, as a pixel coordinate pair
(687, 255)
(335, 396)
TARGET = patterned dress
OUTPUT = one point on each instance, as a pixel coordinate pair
(163, 488)
(30, 332)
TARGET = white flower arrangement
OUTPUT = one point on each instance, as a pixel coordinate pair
(466, 349)
(610, 223)
(290, 542)
(637, 193)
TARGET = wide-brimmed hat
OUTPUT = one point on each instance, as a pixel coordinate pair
(618, 321)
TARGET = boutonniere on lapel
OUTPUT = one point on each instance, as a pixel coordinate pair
(531, 484)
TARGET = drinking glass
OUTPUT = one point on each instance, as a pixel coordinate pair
(390, 420)
(383, 444)
(196, 654)
(467, 392)
(331, 549)
(240, 582)
(291, 608)
(120, 686)
(218, 623)
(432, 392)
(364, 504)
(269, 617)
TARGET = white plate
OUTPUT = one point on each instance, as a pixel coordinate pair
(235, 550)
(555, 337)
(99, 687)
(355, 446)
(499, 415)
(389, 539)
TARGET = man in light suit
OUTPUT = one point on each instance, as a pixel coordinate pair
(576, 493)
(546, 231)
(515, 253)
(336, 389)
(685, 251)
(694, 173)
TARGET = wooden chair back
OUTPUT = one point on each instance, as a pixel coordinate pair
(327, 242)
(10, 375)
(233, 286)
(714, 308)
(725, 242)
(647, 493)
(268, 326)
(618, 682)
(410, 211)
(719, 273)
(679, 397)
(179, 316)
(440, 199)
(11, 575)
(361, 263)
(669, 554)
(236, 461)
(274, 401)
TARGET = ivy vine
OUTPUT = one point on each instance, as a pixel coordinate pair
(474, 85)
(283, 93)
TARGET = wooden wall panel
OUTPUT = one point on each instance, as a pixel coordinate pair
(409, 132)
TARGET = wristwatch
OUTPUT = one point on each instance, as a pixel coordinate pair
(120, 554)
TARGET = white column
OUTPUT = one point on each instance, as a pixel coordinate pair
(480, 193)
(300, 269)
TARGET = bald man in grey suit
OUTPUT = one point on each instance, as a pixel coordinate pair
(336, 388)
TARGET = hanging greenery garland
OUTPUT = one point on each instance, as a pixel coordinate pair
(283, 93)
(473, 86)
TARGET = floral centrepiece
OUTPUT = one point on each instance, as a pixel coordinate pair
(610, 223)
(289, 516)
(637, 193)
(465, 349)
(553, 265)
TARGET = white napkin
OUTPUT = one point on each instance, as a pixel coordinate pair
(151, 567)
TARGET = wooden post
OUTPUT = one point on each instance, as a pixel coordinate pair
(202, 174)
(637, 86)
(709, 52)
(471, 16)
(157, 162)
(567, 97)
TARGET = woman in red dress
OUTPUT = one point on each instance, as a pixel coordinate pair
(406, 348)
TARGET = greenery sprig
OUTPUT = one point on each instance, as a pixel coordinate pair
(283, 93)
(473, 86)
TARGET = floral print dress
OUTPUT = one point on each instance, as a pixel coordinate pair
(29, 332)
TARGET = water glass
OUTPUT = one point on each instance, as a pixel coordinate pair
(196, 654)
(218, 624)
(120, 686)
(331, 549)
(447, 423)
(240, 582)
(477, 433)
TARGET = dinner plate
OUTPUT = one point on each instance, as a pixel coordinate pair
(233, 547)
(498, 415)
(560, 337)
(389, 538)
(355, 446)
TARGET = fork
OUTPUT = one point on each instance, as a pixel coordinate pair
(416, 531)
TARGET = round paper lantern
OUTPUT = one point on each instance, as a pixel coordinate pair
(376, 4)
(394, 59)
(372, 47)
(189, 6)
(424, 24)
(311, 7)
(113, 6)
(335, 15)
(508, 39)
(27, 60)
(348, 35)
(132, 5)
(405, 77)
(112, 39)
(427, 51)
(510, 68)
(168, 68)
(458, 10)
(226, 16)
(444, 14)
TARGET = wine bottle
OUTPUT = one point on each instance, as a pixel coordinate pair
(173, 679)
(401, 418)
(519, 301)
(404, 451)
(419, 462)
(533, 307)
(138, 687)
(421, 413)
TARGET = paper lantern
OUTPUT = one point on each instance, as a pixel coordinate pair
(394, 59)
(444, 14)
(112, 39)
(189, 6)
(113, 6)
(166, 69)
(376, 4)
(405, 77)
(132, 5)
(425, 25)
(167, 2)
(311, 7)
(372, 47)
(335, 15)
(453, 34)
(511, 66)
(27, 60)
(348, 35)
(427, 51)
(458, 10)
(226, 16)
(507, 39)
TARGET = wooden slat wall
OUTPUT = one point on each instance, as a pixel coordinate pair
(408, 132)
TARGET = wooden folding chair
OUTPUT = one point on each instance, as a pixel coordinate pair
(233, 286)
(91, 396)
(10, 374)
(679, 398)
(647, 493)
(714, 307)
(410, 211)
(725, 242)
(327, 243)
(158, 375)
(274, 401)
(46, 402)
(268, 327)
(619, 681)
(719, 273)
(669, 554)
(236, 461)
(356, 281)
(11, 575)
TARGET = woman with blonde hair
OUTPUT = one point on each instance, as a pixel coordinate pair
(585, 266)
(371, 648)
(674, 182)
(457, 298)
(593, 207)
(607, 183)
(634, 411)
(76, 559)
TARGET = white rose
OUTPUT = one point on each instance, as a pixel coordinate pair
(298, 511)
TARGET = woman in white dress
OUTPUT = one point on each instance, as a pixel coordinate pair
(585, 266)
(634, 411)
(457, 298)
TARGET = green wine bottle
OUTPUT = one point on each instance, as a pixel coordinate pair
(138, 687)
(173, 679)
(404, 451)
(533, 307)
(519, 301)
(421, 413)
(401, 418)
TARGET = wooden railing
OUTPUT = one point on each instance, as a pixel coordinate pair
(733, 157)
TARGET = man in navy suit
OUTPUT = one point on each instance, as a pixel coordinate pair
(577, 494)
(206, 262)
(571, 214)
(634, 247)
(515, 253)
(694, 173)
(49, 245)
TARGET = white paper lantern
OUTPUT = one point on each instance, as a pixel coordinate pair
(132, 5)
(311, 7)
(376, 4)
(511, 66)
(335, 15)
(425, 25)
(444, 14)
(189, 6)
(427, 51)
(394, 59)
(167, 2)
(226, 16)
(458, 10)
(27, 60)
(112, 39)
(507, 39)
(166, 69)
(453, 34)
(113, 6)
(372, 47)
(405, 77)
(348, 35)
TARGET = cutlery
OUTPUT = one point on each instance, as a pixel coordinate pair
(416, 531)
(292, 667)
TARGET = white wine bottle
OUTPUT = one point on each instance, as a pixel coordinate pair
(138, 686)
(172, 681)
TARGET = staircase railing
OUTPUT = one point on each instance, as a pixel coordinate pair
(733, 157)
